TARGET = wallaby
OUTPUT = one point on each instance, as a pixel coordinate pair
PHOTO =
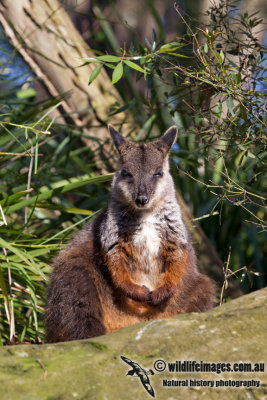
(135, 261)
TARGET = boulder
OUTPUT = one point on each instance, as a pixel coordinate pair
(236, 332)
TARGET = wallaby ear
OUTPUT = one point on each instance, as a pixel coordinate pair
(117, 138)
(170, 136)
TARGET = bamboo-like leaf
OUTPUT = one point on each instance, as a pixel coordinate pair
(47, 194)
(14, 250)
(170, 53)
(71, 210)
(4, 290)
(14, 197)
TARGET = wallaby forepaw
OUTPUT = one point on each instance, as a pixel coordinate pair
(139, 293)
(159, 295)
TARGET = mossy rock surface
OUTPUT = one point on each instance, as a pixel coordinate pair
(93, 369)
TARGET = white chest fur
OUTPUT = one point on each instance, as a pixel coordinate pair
(148, 236)
(147, 241)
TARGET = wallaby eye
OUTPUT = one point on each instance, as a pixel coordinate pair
(126, 174)
(159, 173)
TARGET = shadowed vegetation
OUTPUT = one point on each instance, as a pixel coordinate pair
(209, 81)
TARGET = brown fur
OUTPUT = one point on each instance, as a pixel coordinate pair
(83, 303)
(117, 263)
(99, 282)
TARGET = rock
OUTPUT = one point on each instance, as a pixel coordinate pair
(92, 369)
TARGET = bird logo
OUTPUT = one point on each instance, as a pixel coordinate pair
(140, 373)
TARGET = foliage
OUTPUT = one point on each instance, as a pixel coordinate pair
(37, 208)
(208, 82)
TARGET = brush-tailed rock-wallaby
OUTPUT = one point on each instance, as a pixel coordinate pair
(135, 261)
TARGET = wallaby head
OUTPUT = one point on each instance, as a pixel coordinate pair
(142, 178)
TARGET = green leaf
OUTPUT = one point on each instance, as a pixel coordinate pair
(238, 78)
(26, 93)
(95, 73)
(221, 55)
(117, 73)
(134, 66)
(71, 210)
(170, 45)
(8, 246)
(4, 290)
(95, 51)
(63, 188)
(127, 106)
(108, 58)
(112, 66)
(230, 105)
(218, 110)
(206, 48)
(251, 155)
(168, 49)
(14, 197)
(241, 158)
(177, 55)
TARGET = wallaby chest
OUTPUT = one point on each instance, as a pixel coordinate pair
(146, 265)
(147, 237)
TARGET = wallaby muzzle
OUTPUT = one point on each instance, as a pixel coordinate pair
(142, 198)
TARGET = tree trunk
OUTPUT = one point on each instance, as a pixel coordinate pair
(50, 44)
(48, 41)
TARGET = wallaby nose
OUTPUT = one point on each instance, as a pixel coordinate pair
(141, 200)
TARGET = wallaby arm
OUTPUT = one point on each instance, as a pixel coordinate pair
(117, 261)
(175, 261)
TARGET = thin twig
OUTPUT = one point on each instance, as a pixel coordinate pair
(225, 282)
(29, 181)
(44, 368)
